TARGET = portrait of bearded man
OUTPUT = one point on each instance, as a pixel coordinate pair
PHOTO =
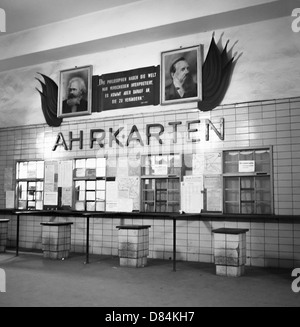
(76, 96)
(183, 85)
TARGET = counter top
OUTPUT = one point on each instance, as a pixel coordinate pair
(151, 215)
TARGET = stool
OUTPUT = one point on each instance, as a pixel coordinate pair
(56, 239)
(133, 245)
(3, 234)
(230, 251)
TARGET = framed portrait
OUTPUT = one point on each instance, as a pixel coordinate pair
(181, 75)
(75, 92)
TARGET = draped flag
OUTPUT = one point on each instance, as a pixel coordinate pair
(216, 73)
(49, 101)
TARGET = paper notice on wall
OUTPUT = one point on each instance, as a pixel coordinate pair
(129, 187)
(207, 163)
(134, 165)
(160, 170)
(194, 179)
(51, 176)
(9, 199)
(49, 187)
(191, 194)
(8, 179)
(198, 164)
(213, 182)
(49, 173)
(213, 187)
(111, 191)
(50, 198)
(111, 196)
(246, 166)
(213, 163)
(66, 196)
(125, 205)
(123, 193)
(214, 200)
(65, 174)
(112, 206)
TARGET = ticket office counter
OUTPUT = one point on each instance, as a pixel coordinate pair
(230, 182)
(220, 219)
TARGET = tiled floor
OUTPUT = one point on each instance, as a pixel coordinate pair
(34, 281)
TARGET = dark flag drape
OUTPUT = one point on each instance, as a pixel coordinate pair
(216, 73)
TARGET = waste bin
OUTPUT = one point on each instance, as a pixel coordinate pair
(56, 239)
(133, 245)
(3, 234)
(230, 251)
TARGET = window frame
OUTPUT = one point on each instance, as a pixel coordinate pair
(155, 190)
(87, 179)
(255, 174)
(28, 180)
(154, 177)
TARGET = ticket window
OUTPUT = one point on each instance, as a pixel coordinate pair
(161, 195)
(161, 176)
(247, 181)
(30, 185)
(90, 184)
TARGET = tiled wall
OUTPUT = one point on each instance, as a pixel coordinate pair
(269, 123)
(269, 243)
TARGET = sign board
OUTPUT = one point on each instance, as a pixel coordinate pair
(246, 166)
(132, 88)
(191, 194)
(160, 170)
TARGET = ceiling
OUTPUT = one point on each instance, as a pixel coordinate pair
(26, 14)
(21, 50)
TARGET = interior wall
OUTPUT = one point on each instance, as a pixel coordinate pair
(271, 242)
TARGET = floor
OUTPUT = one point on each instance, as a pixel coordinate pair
(32, 281)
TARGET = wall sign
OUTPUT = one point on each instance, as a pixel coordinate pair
(109, 137)
(246, 166)
(132, 88)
